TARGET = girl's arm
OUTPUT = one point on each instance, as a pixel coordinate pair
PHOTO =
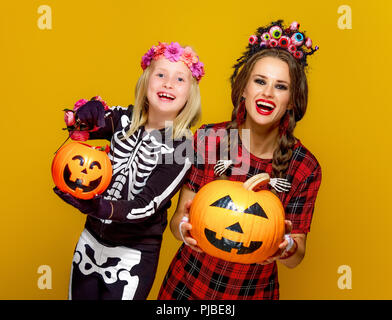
(112, 117)
(162, 185)
(100, 120)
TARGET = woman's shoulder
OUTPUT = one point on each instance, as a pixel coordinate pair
(303, 160)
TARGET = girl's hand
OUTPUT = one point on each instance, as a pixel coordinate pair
(96, 207)
(282, 246)
(91, 114)
(185, 227)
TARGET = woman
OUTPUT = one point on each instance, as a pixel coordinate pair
(117, 254)
(269, 95)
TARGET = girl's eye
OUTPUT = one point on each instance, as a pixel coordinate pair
(260, 81)
(160, 75)
(181, 79)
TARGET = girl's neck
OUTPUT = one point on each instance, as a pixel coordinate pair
(263, 139)
(155, 124)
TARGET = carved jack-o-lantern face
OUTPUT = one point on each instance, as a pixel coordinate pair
(236, 224)
(81, 170)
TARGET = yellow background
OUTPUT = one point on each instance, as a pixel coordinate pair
(95, 47)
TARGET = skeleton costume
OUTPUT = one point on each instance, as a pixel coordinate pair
(117, 258)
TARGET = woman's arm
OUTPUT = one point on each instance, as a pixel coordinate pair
(296, 252)
(296, 258)
(186, 195)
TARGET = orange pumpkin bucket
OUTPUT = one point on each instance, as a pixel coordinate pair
(81, 170)
(237, 221)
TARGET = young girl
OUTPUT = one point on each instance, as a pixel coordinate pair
(117, 253)
(269, 95)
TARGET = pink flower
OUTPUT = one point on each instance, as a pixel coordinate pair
(197, 70)
(69, 118)
(159, 49)
(189, 57)
(146, 59)
(157, 57)
(79, 135)
(79, 103)
(173, 52)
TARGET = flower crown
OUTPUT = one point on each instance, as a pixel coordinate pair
(276, 36)
(174, 53)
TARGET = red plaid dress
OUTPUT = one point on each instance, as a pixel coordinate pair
(192, 275)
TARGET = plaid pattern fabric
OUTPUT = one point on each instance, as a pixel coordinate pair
(193, 275)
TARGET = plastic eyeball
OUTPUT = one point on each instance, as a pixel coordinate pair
(275, 32)
(266, 36)
(292, 48)
(297, 39)
(273, 43)
(308, 43)
(294, 26)
(298, 54)
(284, 41)
(252, 39)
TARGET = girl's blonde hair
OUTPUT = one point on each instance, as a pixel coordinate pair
(188, 116)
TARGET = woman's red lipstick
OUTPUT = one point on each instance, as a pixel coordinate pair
(265, 107)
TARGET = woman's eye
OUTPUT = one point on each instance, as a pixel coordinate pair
(260, 81)
(281, 87)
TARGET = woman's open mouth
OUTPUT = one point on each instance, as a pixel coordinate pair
(265, 107)
(166, 97)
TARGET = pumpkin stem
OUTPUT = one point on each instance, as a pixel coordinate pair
(256, 182)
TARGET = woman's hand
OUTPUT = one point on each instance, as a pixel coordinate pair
(282, 246)
(185, 227)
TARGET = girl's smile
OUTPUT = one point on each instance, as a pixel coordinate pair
(166, 97)
(168, 90)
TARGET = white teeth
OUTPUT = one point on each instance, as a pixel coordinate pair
(166, 95)
(265, 104)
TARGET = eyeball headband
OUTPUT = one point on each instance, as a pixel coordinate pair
(174, 52)
(276, 36)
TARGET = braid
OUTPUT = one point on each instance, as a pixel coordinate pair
(286, 141)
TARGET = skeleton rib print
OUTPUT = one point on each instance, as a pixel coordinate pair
(134, 158)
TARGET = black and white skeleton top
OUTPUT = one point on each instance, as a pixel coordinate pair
(147, 173)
